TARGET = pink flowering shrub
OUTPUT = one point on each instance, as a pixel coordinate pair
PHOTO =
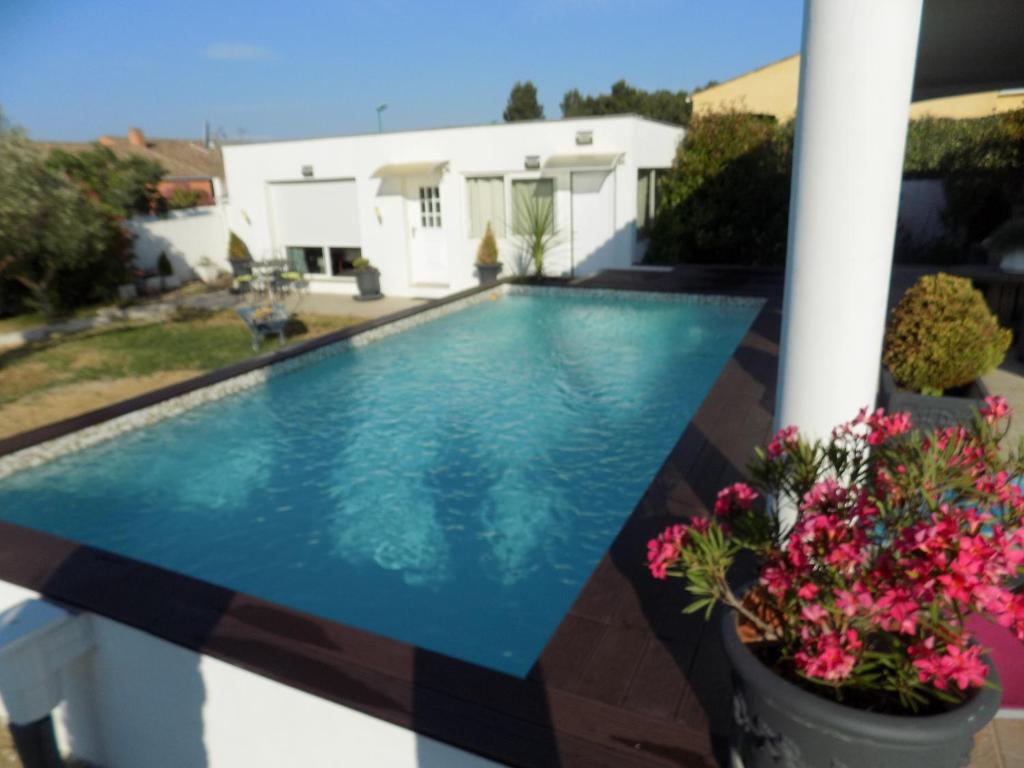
(887, 541)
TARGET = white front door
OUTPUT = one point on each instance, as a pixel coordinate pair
(429, 261)
(593, 221)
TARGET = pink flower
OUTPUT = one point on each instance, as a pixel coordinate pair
(738, 496)
(883, 427)
(808, 591)
(785, 438)
(831, 657)
(856, 600)
(663, 551)
(813, 613)
(994, 409)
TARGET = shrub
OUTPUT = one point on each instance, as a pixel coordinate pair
(163, 266)
(183, 198)
(237, 249)
(942, 335)
(362, 263)
(487, 253)
(726, 198)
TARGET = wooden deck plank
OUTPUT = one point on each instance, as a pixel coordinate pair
(610, 670)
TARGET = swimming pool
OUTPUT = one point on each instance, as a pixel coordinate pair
(451, 486)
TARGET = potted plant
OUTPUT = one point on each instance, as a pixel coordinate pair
(368, 280)
(870, 552)
(239, 256)
(165, 271)
(487, 265)
(536, 229)
(941, 340)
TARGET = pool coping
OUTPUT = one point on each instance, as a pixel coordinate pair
(562, 713)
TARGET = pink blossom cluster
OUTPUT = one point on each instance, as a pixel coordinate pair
(894, 545)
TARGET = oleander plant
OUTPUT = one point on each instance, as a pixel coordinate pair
(872, 550)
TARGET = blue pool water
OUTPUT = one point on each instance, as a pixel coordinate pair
(452, 486)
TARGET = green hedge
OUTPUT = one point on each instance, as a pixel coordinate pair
(726, 198)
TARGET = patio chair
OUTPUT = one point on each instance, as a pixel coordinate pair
(263, 321)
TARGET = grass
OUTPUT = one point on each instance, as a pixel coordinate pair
(201, 342)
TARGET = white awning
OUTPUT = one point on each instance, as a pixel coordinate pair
(424, 168)
(608, 160)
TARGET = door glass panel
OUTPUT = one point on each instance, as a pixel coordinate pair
(430, 207)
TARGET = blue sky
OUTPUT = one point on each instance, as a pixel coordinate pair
(77, 69)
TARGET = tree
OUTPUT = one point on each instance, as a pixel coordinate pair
(125, 185)
(668, 106)
(523, 104)
(60, 246)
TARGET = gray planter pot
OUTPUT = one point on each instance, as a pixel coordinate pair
(780, 725)
(239, 268)
(930, 412)
(368, 281)
(488, 273)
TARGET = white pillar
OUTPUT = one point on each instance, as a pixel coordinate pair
(856, 77)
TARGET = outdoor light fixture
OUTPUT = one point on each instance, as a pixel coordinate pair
(532, 162)
(380, 108)
(584, 137)
(307, 171)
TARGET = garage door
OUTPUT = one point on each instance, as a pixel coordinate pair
(311, 213)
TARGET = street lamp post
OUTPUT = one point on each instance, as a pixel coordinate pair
(380, 108)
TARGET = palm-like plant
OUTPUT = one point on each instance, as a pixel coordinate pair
(536, 228)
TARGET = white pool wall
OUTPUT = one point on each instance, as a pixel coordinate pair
(137, 701)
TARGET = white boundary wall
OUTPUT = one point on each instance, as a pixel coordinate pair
(185, 236)
(140, 702)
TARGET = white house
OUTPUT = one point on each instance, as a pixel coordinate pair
(416, 203)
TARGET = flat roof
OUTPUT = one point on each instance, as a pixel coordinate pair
(513, 124)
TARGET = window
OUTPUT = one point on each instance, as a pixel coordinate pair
(533, 203)
(430, 206)
(486, 200)
(306, 259)
(342, 259)
(646, 201)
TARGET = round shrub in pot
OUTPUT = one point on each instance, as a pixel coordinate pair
(368, 280)
(871, 550)
(239, 256)
(487, 265)
(942, 336)
(941, 340)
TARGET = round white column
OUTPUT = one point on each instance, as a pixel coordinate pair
(856, 78)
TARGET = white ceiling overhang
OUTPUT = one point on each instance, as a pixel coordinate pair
(967, 46)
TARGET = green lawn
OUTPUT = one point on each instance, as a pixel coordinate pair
(200, 343)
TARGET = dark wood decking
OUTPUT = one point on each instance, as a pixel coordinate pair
(625, 681)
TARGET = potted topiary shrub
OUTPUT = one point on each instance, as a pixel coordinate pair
(487, 265)
(368, 280)
(941, 340)
(239, 256)
(870, 552)
(165, 271)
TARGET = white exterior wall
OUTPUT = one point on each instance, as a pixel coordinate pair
(140, 702)
(185, 236)
(490, 150)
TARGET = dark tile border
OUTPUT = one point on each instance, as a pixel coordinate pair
(624, 681)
